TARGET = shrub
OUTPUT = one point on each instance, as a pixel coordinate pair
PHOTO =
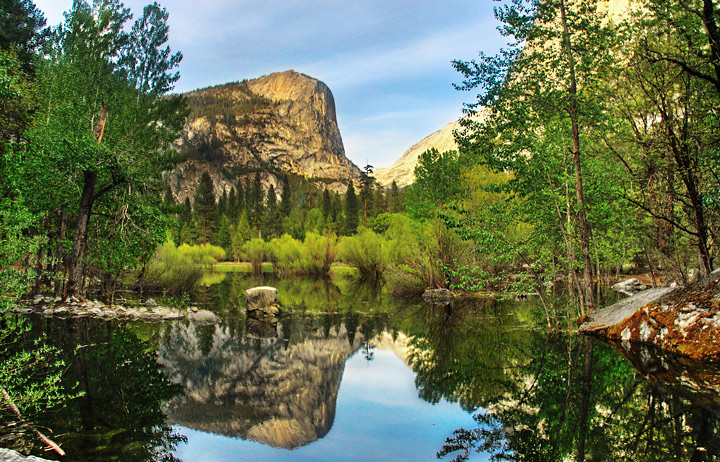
(255, 251)
(288, 255)
(366, 252)
(429, 257)
(178, 269)
(321, 252)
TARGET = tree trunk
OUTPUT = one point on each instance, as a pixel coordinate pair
(76, 264)
(582, 221)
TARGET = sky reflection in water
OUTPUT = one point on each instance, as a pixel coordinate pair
(379, 416)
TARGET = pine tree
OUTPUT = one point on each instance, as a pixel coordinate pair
(205, 208)
(326, 204)
(232, 205)
(273, 217)
(285, 199)
(185, 212)
(394, 200)
(222, 204)
(271, 201)
(351, 211)
(224, 238)
(255, 206)
(189, 232)
(242, 233)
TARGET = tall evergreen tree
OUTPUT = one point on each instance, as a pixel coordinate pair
(273, 217)
(326, 204)
(285, 198)
(224, 235)
(205, 208)
(185, 212)
(222, 204)
(21, 24)
(256, 204)
(351, 210)
(232, 205)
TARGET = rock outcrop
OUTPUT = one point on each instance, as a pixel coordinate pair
(282, 123)
(629, 286)
(150, 312)
(8, 455)
(403, 170)
(261, 303)
(680, 320)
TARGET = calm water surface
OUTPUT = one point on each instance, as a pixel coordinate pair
(349, 374)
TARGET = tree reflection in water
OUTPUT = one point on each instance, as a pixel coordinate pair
(540, 396)
(534, 395)
(120, 415)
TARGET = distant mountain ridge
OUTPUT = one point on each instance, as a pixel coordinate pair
(281, 123)
(403, 170)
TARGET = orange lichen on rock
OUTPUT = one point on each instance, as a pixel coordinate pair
(684, 321)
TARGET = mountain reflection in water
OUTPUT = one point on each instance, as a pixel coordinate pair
(350, 374)
(265, 390)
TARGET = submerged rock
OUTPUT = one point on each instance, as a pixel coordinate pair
(55, 307)
(203, 317)
(438, 296)
(259, 329)
(681, 320)
(629, 286)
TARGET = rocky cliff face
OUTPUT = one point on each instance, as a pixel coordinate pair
(263, 389)
(402, 171)
(282, 123)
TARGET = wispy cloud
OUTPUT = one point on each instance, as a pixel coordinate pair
(387, 63)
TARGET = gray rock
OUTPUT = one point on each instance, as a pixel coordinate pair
(630, 286)
(260, 299)
(8, 455)
(614, 314)
(95, 312)
(203, 317)
(151, 302)
(438, 296)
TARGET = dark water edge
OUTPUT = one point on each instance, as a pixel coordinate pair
(481, 377)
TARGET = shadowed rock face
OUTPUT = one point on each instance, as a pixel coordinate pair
(276, 124)
(282, 395)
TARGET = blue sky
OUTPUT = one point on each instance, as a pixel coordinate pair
(387, 62)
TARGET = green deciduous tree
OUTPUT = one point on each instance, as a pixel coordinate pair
(544, 117)
(437, 181)
(99, 141)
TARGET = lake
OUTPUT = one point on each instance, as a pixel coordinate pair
(351, 374)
